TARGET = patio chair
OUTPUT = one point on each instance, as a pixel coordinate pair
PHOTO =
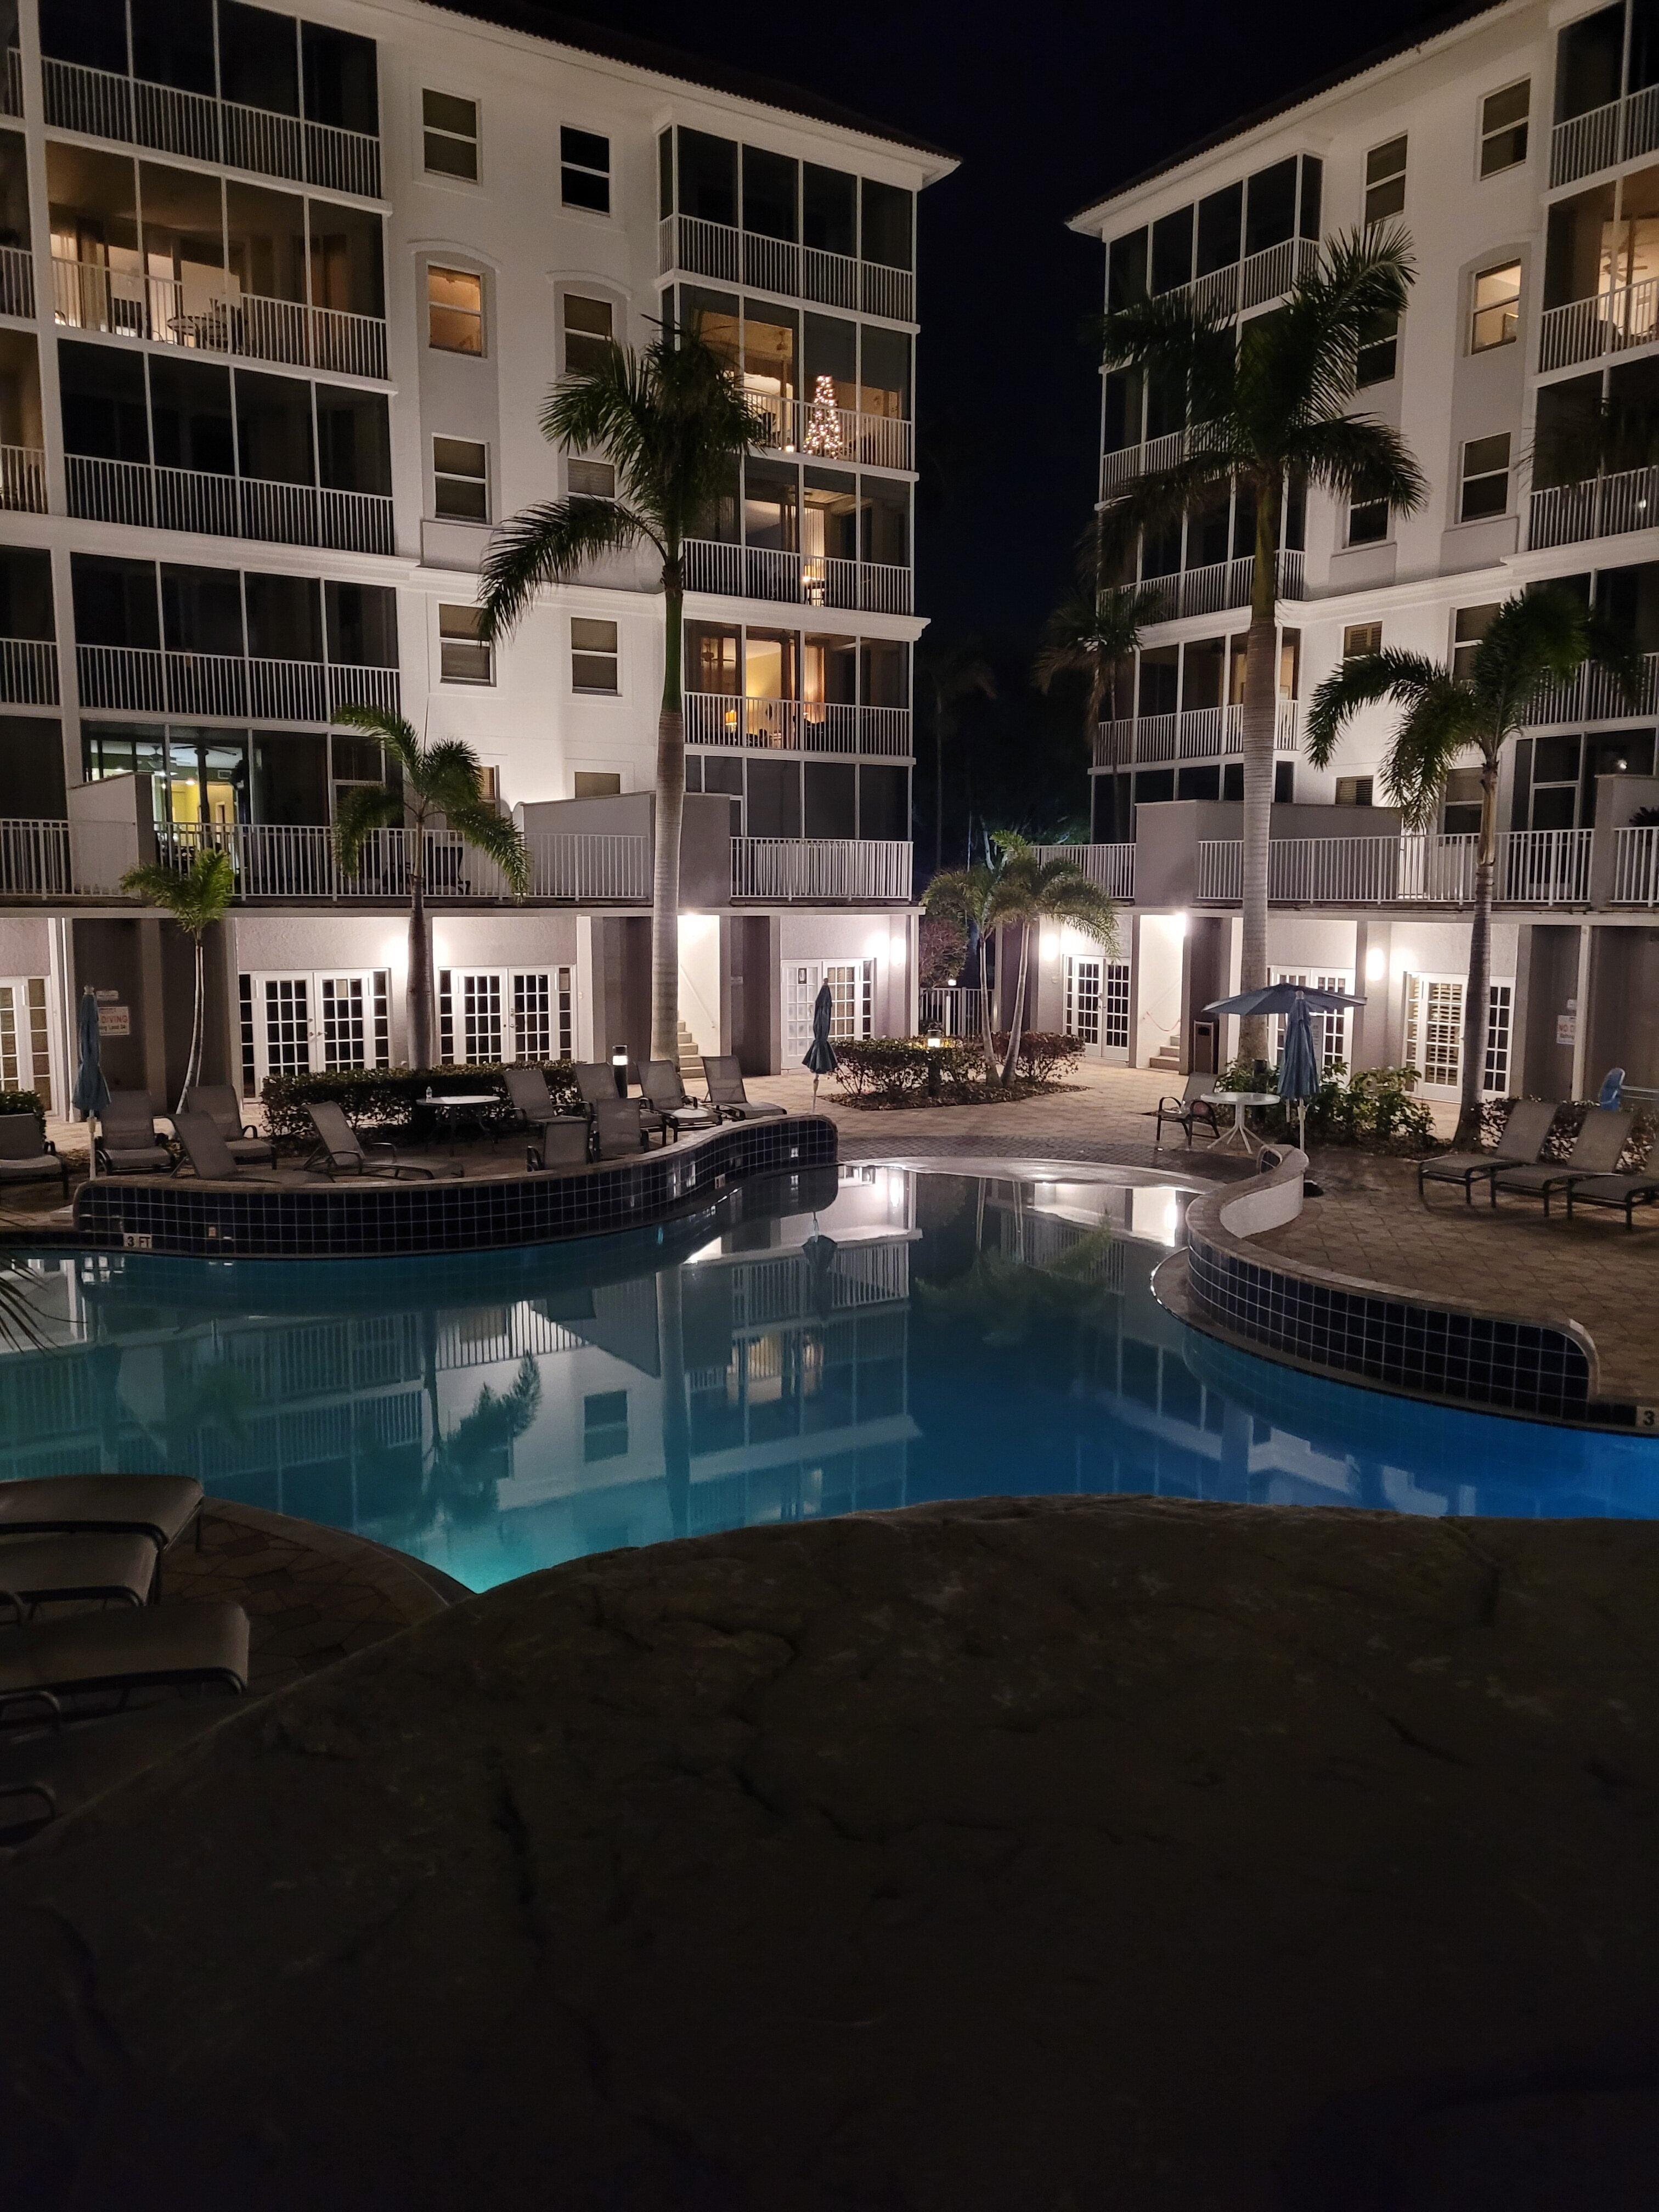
(128, 1142)
(1622, 1193)
(596, 1081)
(341, 1150)
(25, 1155)
(727, 1095)
(619, 1128)
(1601, 1139)
(1524, 1136)
(160, 1507)
(210, 1157)
(1190, 1110)
(528, 1095)
(243, 1142)
(561, 1141)
(46, 1667)
(666, 1099)
(111, 1570)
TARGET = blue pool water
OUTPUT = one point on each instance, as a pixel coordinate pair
(858, 1337)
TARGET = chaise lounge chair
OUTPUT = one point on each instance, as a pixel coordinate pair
(242, 1141)
(666, 1097)
(1190, 1110)
(1601, 1139)
(128, 1142)
(618, 1128)
(210, 1156)
(557, 1140)
(1522, 1143)
(1623, 1193)
(727, 1095)
(112, 1568)
(44, 1668)
(158, 1506)
(25, 1154)
(596, 1081)
(341, 1150)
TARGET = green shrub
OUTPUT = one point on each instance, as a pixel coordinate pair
(24, 1102)
(1568, 1120)
(1373, 1107)
(1044, 1054)
(384, 1099)
(893, 1071)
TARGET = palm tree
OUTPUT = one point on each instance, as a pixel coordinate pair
(967, 898)
(1093, 634)
(1267, 403)
(674, 424)
(195, 897)
(1535, 640)
(952, 674)
(1030, 891)
(435, 783)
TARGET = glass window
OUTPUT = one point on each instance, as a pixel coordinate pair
(594, 655)
(1461, 815)
(585, 170)
(1385, 180)
(1378, 356)
(1469, 626)
(460, 475)
(1496, 316)
(449, 134)
(1354, 790)
(454, 304)
(1361, 638)
(1367, 522)
(588, 334)
(591, 479)
(1486, 488)
(1504, 128)
(463, 655)
(711, 659)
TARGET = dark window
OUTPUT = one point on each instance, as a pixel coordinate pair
(115, 602)
(290, 778)
(708, 178)
(1385, 180)
(1284, 783)
(884, 803)
(274, 428)
(91, 32)
(340, 79)
(1504, 128)
(258, 58)
(1590, 55)
(723, 775)
(1153, 786)
(828, 209)
(191, 416)
(25, 593)
(174, 44)
(1126, 269)
(1172, 251)
(449, 135)
(354, 440)
(1198, 783)
(888, 225)
(284, 617)
(1367, 522)
(605, 1425)
(31, 768)
(769, 182)
(202, 609)
(585, 170)
(884, 673)
(105, 413)
(665, 172)
(830, 799)
(1270, 207)
(1313, 191)
(1485, 489)
(1122, 412)
(1379, 352)
(362, 625)
(1220, 229)
(886, 523)
(773, 798)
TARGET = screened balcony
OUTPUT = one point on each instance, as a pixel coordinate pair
(832, 870)
(16, 263)
(1217, 588)
(1200, 734)
(22, 439)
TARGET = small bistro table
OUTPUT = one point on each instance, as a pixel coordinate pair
(468, 1107)
(1238, 1138)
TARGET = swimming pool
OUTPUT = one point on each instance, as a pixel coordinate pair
(853, 1337)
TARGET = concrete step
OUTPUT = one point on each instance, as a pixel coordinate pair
(690, 1057)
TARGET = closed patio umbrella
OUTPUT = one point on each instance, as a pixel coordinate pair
(91, 1093)
(820, 1055)
(1298, 1065)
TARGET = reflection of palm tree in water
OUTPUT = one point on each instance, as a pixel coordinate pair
(466, 1464)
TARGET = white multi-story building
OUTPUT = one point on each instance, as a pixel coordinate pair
(281, 296)
(1521, 150)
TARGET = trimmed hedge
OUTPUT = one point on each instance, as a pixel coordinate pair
(384, 1099)
(24, 1102)
(1643, 1135)
(893, 1071)
(1372, 1109)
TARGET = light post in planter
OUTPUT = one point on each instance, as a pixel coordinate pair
(619, 1063)
(935, 1046)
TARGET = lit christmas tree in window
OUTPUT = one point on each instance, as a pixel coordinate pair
(823, 434)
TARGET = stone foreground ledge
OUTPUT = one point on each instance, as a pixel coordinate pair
(1035, 1855)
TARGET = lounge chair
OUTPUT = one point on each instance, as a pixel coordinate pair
(619, 1128)
(158, 1506)
(563, 1141)
(111, 1569)
(596, 1081)
(44, 1668)
(1522, 1143)
(210, 1156)
(1190, 1110)
(341, 1150)
(727, 1095)
(667, 1099)
(1623, 1193)
(1601, 1139)
(25, 1156)
(242, 1140)
(528, 1095)
(128, 1142)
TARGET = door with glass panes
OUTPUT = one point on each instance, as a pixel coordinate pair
(25, 1037)
(1434, 1034)
(1097, 1004)
(489, 1015)
(311, 1023)
(852, 995)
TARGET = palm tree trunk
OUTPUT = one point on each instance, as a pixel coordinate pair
(420, 960)
(939, 785)
(1261, 714)
(1477, 990)
(1097, 693)
(671, 813)
(987, 1028)
(193, 1064)
(1017, 1010)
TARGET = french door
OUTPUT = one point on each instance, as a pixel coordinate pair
(25, 1037)
(1330, 1031)
(310, 1023)
(1434, 1034)
(1097, 1001)
(487, 1016)
(852, 993)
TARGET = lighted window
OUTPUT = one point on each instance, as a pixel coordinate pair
(449, 134)
(1496, 317)
(1469, 626)
(455, 310)
(460, 477)
(1361, 638)
(463, 656)
(1378, 357)
(1504, 128)
(1353, 790)
(1385, 180)
(589, 332)
(594, 655)
(1367, 522)
(585, 170)
(1485, 478)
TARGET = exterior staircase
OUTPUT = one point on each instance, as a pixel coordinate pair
(690, 1059)
(1168, 1055)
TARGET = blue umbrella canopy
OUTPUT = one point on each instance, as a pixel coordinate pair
(1298, 1065)
(91, 1093)
(820, 1055)
(1280, 998)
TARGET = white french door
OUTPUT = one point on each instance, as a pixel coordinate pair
(310, 1023)
(25, 1037)
(488, 1015)
(1097, 1002)
(1330, 1031)
(852, 992)
(1434, 1034)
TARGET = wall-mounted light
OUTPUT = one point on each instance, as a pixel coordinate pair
(1376, 964)
(896, 949)
(1051, 948)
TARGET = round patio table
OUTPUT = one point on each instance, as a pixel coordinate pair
(462, 1107)
(1238, 1138)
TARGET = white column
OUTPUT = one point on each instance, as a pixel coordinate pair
(1581, 1021)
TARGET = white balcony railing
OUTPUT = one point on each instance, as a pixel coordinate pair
(17, 282)
(793, 726)
(1129, 462)
(777, 264)
(811, 580)
(24, 479)
(144, 496)
(87, 295)
(834, 869)
(1595, 695)
(145, 680)
(1110, 868)
(952, 1009)
(34, 858)
(1535, 867)
(1200, 734)
(1636, 867)
(1623, 131)
(280, 861)
(1255, 281)
(1601, 506)
(202, 129)
(28, 671)
(840, 434)
(1215, 589)
(1612, 322)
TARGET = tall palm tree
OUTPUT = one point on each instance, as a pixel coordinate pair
(1091, 634)
(966, 897)
(1536, 640)
(1267, 404)
(1030, 891)
(436, 783)
(953, 674)
(674, 423)
(195, 897)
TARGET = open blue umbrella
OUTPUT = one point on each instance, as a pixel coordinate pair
(1298, 1065)
(820, 1055)
(91, 1093)
(1280, 998)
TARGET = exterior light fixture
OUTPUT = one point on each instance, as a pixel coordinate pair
(619, 1063)
(935, 1041)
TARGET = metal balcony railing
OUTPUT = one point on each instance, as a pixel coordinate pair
(1200, 733)
(1622, 131)
(24, 479)
(1535, 867)
(1129, 462)
(841, 434)
(811, 580)
(17, 282)
(28, 671)
(1636, 867)
(136, 113)
(952, 1009)
(1601, 506)
(34, 858)
(1611, 322)
(1216, 589)
(1110, 868)
(145, 680)
(1255, 281)
(687, 242)
(714, 718)
(1595, 696)
(87, 295)
(834, 869)
(280, 861)
(144, 496)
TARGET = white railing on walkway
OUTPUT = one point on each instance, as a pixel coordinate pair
(1217, 588)
(1610, 322)
(1636, 865)
(812, 579)
(1535, 867)
(777, 264)
(144, 496)
(17, 282)
(1200, 734)
(1601, 506)
(28, 671)
(284, 862)
(1595, 695)
(880, 441)
(829, 868)
(87, 295)
(24, 479)
(715, 718)
(137, 113)
(1622, 131)
(1110, 868)
(34, 858)
(952, 1009)
(142, 679)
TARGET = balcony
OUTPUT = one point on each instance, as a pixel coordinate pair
(28, 671)
(22, 479)
(138, 494)
(129, 679)
(242, 326)
(689, 244)
(1216, 589)
(1621, 131)
(99, 104)
(1109, 868)
(276, 861)
(807, 580)
(797, 726)
(1610, 322)
(833, 870)
(1201, 733)
(1635, 867)
(17, 282)
(1601, 506)
(1129, 462)
(35, 859)
(1535, 867)
(1594, 695)
(879, 441)
(1255, 281)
